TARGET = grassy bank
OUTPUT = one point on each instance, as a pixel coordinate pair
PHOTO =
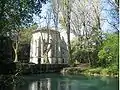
(99, 71)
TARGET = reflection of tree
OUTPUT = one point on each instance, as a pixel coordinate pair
(43, 85)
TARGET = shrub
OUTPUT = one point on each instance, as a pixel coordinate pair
(105, 71)
(95, 71)
(108, 54)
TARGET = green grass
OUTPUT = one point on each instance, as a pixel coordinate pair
(109, 71)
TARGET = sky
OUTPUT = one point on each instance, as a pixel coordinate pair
(106, 27)
(46, 8)
(42, 22)
(107, 14)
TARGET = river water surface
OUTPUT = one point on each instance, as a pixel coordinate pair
(66, 82)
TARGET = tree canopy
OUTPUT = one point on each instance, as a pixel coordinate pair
(18, 13)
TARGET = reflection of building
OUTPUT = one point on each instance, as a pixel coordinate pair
(47, 47)
(64, 85)
(42, 84)
(49, 84)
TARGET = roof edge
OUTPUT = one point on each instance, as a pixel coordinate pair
(44, 30)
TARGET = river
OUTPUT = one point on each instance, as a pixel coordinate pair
(66, 82)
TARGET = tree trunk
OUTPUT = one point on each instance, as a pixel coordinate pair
(15, 51)
(68, 31)
(16, 56)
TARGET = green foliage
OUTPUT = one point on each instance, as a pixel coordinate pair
(111, 70)
(18, 13)
(108, 54)
(93, 70)
(81, 52)
(26, 34)
(75, 50)
(73, 70)
(114, 69)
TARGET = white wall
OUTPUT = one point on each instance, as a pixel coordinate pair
(35, 48)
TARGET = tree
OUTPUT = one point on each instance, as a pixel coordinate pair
(18, 13)
(86, 25)
(21, 37)
(63, 7)
(68, 5)
(112, 14)
(108, 53)
(55, 10)
(85, 20)
(24, 40)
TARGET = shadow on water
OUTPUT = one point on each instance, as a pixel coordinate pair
(66, 82)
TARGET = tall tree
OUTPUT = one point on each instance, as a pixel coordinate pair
(18, 13)
(64, 8)
(86, 25)
(113, 12)
(68, 27)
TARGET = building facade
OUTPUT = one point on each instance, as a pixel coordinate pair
(48, 47)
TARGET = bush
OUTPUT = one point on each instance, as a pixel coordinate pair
(114, 69)
(94, 70)
(108, 54)
(111, 70)
(105, 71)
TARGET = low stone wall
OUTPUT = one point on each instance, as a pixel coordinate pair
(28, 68)
(25, 68)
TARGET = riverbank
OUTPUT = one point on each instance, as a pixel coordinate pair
(99, 71)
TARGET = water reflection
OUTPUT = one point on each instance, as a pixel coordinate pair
(64, 85)
(45, 84)
(42, 84)
(59, 82)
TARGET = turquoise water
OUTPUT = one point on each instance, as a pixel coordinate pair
(66, 82)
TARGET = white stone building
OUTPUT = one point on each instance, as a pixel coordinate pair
(48, 47)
